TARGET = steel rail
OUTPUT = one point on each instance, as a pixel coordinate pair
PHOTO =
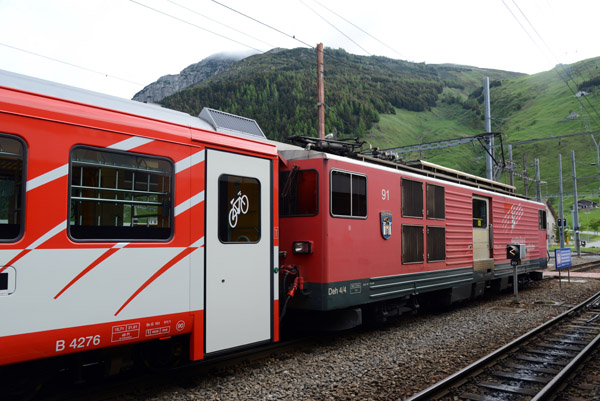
(550, 389)
(442, 387)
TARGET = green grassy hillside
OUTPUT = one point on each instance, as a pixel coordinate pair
(525, 108)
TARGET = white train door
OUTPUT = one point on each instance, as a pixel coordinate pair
(482, 246)
(238, 247)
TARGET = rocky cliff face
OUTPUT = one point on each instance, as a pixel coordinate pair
(192, 75)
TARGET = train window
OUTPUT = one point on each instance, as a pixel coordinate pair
(119, 196)
(542, 219)
(239, 209)
(412, 198)
(412, 244)
(436, 244)
(299, 193)
(348, 194)
(12, 174)
(479, 213)
(436, 208)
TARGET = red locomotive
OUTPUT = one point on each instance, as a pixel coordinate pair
(365, 233)
(123, 223)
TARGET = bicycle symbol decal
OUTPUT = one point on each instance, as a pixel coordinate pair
(239, 205)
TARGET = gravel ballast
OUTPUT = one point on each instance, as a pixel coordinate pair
(399, 359)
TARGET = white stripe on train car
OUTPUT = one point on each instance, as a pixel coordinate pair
(130, 143)
(48, 235)
(198, 244)
(189, 203)
(188, 162)
(47, 177)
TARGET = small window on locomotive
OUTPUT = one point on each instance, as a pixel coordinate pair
(412, 198)
(436, 244)
(542, 219)
(120, 196)
(412, 244)
(12, 174)
(479, 213)
(436, 208)
(299, 193)
(348, 194)
(239, 209)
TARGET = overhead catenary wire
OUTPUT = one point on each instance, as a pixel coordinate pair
(566, 81)
(334, 27)
(72, 65)
(197, 26)
(220, 23)
(262, 23)
(327, 53)
(359, 28)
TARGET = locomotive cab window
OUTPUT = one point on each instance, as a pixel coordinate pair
(119, 196)
(239, 209)
(542, 219)
(479, 213)
(412, 198)
(12, 175)
(348, 194)
(299, 193)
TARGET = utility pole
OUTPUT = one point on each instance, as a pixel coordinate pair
(525, 181)
(561, 230)
(489, 166)
(512, 166)
(538, 188)
(320, 91)
(575, 207)
(597, 152)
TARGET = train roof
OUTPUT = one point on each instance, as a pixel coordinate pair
(208, 119)
(421, 167)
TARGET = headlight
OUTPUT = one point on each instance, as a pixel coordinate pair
(302, 247)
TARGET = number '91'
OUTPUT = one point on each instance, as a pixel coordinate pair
(385, 194)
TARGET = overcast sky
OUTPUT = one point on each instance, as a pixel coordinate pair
(119, 46)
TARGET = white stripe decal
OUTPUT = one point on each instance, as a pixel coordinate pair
(120, 245)
(189, 203)
(130, 143)
(47, 177)
(48, 235)
(198, 244)
(188, 162)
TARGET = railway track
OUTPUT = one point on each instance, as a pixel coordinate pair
(586, 266)
(533, 367)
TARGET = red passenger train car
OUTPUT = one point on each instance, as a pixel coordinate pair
(362, 232)
(124, 223)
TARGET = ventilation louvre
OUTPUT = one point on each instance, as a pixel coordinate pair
(230, 123)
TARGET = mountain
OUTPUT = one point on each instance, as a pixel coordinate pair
(278, 90)
(391, 103)
(192, 75)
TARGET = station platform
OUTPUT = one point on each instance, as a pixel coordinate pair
(576, 260)
(564, 274)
